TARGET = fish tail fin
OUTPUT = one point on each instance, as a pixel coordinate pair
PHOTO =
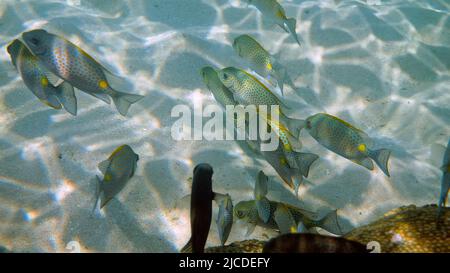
(66, 96)
(97, 193)
(123, 101)
(188, 247)
(291, 25)
(381, 157)
(304, 161)
(330, 223)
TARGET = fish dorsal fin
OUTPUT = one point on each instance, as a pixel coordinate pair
(117, 150)
(344, 122)
(265, 88)
(103, 166)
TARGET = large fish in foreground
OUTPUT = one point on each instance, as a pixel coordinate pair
(117, 169)
(445, 184)
(261, 61)
(35, 76)
(72, 64)
(201, 208)
(280, 216)
(273, 12)
(342, 138)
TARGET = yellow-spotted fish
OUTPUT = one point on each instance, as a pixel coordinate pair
(342, 138)
(224, 219)
(36, 78)
(117, 169)
(261, 61)
(72, 64)
(445, 184)
(273, 12)
(220, 92)
(248, 90)
(279, 158)
(281, 216)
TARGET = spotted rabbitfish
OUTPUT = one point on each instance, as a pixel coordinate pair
(118, 168)
(273, 12)
(345, 140)
(261, 61)
(36, 78)
(72, 64)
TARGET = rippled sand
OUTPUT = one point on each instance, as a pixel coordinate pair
(381, 65)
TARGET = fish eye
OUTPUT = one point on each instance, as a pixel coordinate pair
(34, 41)
(308, 124)
(225, 76)
(239, 214)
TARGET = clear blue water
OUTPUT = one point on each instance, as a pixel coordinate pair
(381, 65)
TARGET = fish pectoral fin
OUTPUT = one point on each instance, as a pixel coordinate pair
(365, 162)
(304, 161)
(250, 228)
(52, 78)
(103, 166)
(284, 219)
(66, 96)
(263, 207)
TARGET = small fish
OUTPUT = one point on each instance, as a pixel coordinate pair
(117, 169)
(312, 243)
(445, 184)
(248, 90)
(347, 141)
(36, 78)
(273, 12)
(201, 208)
(281, 216)
(224, 219)
(261, 61)
(220, 92)
(72, 64)
(293, 177)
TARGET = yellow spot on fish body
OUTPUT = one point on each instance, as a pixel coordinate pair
(44, 81)
(108, 177)
(362, 148)
(269, 66)
(102, 84)
(280, 14)
(293, 230)
(283, 161)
